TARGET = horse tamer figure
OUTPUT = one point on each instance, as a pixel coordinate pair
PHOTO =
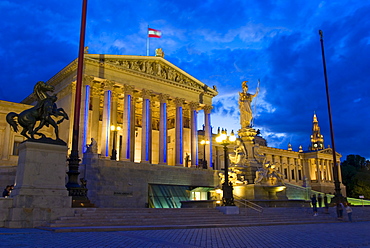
(44, 112)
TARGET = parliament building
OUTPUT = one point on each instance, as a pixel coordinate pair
(138, 139)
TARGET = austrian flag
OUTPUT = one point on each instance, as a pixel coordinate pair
(153, 33)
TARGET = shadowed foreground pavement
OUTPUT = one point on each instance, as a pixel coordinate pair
(341, 234)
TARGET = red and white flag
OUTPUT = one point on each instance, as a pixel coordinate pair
(153, 33)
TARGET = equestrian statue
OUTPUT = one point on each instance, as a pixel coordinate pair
(45, 113)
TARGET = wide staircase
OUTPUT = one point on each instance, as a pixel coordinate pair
(119, 219)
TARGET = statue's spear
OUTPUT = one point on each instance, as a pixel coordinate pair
(254, 103)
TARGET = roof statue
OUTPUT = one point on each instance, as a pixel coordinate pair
(245, 100)
(159, 52)
(43, 113)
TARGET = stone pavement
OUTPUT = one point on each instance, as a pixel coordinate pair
(341, 234)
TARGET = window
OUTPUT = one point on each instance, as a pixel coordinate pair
(285, 173)
(299, 175)
(293, 174)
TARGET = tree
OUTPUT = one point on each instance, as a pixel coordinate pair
(356, 161)
(356, 176)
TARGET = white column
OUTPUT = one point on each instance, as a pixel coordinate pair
(328, 170)
(296, 169)
(289, 172)
(339, 171)
(208, 135)
(7, 140)
(72, 90)
(113, 118)
(194, 133)
(127, 141)
(85, 111)
(163, 129)
(318, 176)
(145, 127)
(306, 170)
(179, 148)
(106, 119)
(95, 102)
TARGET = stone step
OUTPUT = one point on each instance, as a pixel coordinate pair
(178, 221)
(149, 222)
(99, 219)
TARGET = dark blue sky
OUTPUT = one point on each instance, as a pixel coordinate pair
(221, 43)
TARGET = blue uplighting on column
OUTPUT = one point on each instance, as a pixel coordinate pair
(164, 107)
(195, 118)
(180, 134)
(147, 129)
(128, 114)
(210, 140)
(109, 93)
(86, 117)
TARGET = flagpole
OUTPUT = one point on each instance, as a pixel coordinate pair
(338, 195)
(147, 42)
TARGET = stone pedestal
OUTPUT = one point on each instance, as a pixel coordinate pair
(39, 195)
(244, 173)
(228, 209)
(259, 192)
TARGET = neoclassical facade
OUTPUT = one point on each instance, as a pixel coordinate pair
(142, 107)
(145, 109)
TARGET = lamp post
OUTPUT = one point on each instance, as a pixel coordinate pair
(114, 129)
(74, 188)
(224, 140)
(204, 143)
(338, 197)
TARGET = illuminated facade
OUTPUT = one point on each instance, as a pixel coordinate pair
(310, 168)
(155, 105)
(317, 139)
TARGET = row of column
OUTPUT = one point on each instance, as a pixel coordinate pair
(109, 117)
(324, 170)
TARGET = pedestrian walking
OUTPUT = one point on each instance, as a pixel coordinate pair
(314, 204)
(349, 213)
(326, 204)
(319, 200)
(340, 208)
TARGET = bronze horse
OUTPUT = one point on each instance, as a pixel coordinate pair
(42, 112)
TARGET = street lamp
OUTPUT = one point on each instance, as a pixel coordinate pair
(114, 129)
(224, 140)
(204, 143)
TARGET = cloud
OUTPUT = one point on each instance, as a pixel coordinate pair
(220, 43)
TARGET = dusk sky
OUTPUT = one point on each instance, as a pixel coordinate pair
(221, 43)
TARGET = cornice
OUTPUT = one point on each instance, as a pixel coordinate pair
(153, 68)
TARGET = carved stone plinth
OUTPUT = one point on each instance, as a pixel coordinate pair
(40, 195)
(247, 135)
(260, 192)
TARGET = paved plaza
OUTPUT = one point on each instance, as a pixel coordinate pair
(341, 234)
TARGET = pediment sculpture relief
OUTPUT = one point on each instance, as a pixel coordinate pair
(156, 69)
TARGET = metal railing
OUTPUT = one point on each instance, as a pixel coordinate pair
(248, 204)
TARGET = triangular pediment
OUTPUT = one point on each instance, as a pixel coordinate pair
(152, 67)
(328, 151)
